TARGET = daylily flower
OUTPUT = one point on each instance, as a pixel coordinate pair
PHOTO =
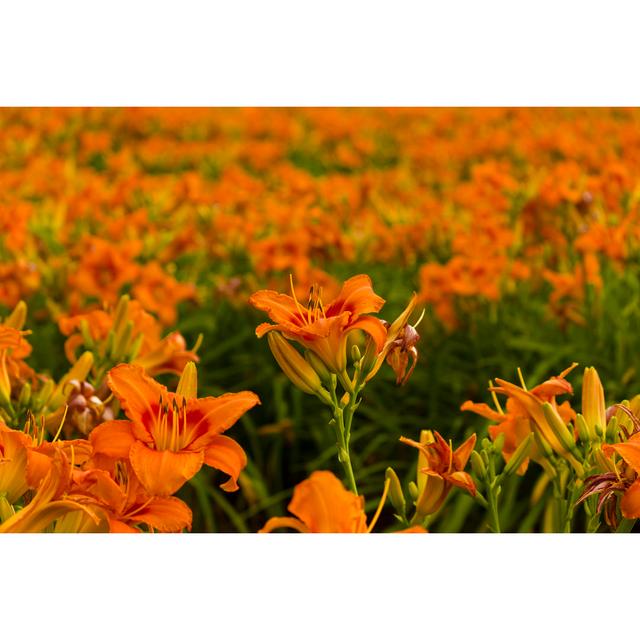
(322, 328)
(439, 469)
(518, 419)
(169, 436)
(321, 504)
(125, 503)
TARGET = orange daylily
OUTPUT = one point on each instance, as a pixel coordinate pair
(524, 414)
(324, 329)
(321, 504)
(439, 469)
(169, 436)
(126, 504)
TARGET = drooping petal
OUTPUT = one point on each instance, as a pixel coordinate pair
(228, 456)
(162, 473)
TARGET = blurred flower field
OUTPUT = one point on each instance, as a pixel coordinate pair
(319, 320)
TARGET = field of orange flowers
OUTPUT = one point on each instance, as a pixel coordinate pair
(319, 320)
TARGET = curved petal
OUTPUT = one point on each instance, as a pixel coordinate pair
(279, 307)
(113, 438)
(374, 327)
(207, 417)
(356, 296)
(277, 523)
(228, 456)
(629, 451)
(325, 506)
(138, 393)
(168, 515)
(164, 472)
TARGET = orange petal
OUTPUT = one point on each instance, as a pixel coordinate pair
(164, 472)
(210, 416)
(138, 394)
(374, 327)
(280, 307)
(168, 515)
(113, 438)
(482, 409)
(277, 523)
(630, 503)
(629, 451)
(325, 506)
(462, 453)
(357, 296)
(228, 456)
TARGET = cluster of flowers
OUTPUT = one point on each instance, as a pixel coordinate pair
(471, 202)
(68, 464)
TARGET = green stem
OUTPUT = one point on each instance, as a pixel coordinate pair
(494, 516)
(342, 418)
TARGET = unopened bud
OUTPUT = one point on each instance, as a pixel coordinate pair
(293, 365)
(612, 430)
(188, 383)
(25, 395)
(413, 490)
(355, 353)
(121, 313)
(478, 466)
(498, 443)
(519, 456)
(593, 408)
(18, 316)
(395, 492)
(319, 367)
(559, 428)
(121, 342)
(583, 429)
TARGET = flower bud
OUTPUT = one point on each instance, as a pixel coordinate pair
(559, 428)
(188, 383)
(593, 407)
(413, 490)
(583, 429)
(319, 367)
(395, 492)
(519, 456)
(293, 365)
(18, 316)
(478, 466)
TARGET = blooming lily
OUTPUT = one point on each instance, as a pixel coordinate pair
(322, 328)
(169, 436)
